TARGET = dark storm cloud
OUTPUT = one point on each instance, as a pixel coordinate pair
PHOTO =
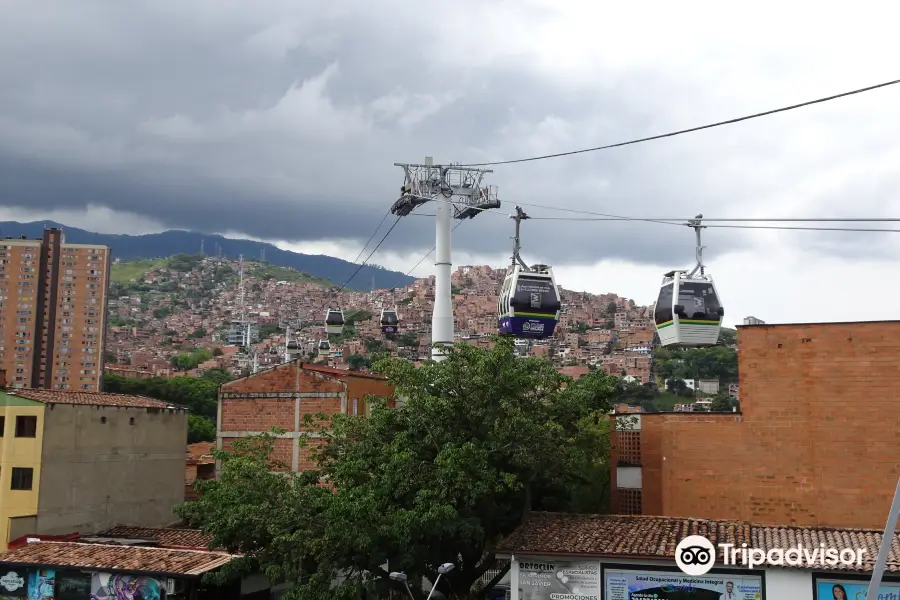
(187, 115)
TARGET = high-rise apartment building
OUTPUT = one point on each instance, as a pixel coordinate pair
(53, 312)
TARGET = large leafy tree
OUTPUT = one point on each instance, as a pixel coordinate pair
(477, 441)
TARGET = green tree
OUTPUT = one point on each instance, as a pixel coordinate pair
(717, 362)
(200, 429)
(199, 333)
(110, 357)
(727, 337)
(217, 376)
(267, 330)
(679, 387)
(482, 438)
(611, 309)
(190, 360)
(199, 395)
(409, 339)
(358, 362)
(722, 403)
(373, 346)
(161, 313)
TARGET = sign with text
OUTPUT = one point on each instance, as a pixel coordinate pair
(559, 580)
(627, 584)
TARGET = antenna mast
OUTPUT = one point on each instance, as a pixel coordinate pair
(453, 188)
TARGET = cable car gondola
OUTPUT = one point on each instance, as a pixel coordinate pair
(292, 348)
(529, 303)
(688, 311)
(324, 350)
(334, 321)
(390, 323)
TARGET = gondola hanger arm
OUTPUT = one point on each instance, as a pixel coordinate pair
(517, 247)
(696, 224)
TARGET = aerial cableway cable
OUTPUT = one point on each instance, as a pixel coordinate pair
(689, 130)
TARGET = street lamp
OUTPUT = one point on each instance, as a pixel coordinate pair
(442, 570)
(401, 577)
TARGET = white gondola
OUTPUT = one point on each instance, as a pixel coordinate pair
(324, 350)
(688, 311)
(334, 321)
(529, 304)
(390, 323)
(292, 348)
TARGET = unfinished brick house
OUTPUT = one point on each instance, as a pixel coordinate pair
(282, 396)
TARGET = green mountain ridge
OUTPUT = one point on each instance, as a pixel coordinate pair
(168, 243)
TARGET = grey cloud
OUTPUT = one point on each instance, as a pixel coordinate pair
(169, 114)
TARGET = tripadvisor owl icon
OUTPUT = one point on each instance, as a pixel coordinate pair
(695, 555)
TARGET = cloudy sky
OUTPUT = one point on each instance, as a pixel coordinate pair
(281, 120)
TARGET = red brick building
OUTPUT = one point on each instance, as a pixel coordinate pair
(282, 396)
(816, 442)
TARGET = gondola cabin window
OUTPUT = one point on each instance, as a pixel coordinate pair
(699, 301)
(663, 311)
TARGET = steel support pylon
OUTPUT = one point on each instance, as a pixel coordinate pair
(457, 193)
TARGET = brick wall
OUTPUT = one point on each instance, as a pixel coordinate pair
(816, 442)
(282, 397)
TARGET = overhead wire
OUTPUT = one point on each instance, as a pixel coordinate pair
(682, 222)
(683, 131)
(369, 241)
(362, 264)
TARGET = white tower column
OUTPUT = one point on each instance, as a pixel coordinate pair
(442, 317)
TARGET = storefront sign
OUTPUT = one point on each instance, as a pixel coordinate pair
(12, 583)
(559, 580)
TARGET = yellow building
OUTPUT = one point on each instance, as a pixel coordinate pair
(85, 461)
(22, 431)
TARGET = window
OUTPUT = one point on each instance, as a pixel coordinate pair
(22, 478)
(26, 427)
(699, 301)
(2, 425)
(663, 311)
(355, 406)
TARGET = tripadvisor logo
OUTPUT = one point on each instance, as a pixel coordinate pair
(696, 555)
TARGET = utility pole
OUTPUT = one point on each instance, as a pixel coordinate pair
(457, 193)
(885, 550)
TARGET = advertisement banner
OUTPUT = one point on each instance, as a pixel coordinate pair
(838, 589)
(559, 580)
(115, 586)
(41, 583)
(626, 584)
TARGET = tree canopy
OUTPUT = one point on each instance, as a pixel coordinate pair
(480, 439)
(717, 362)
(199, 394)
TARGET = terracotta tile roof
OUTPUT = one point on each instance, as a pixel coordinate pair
(116, 558)
(92, 398)
(164, 536)
(656, 537)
